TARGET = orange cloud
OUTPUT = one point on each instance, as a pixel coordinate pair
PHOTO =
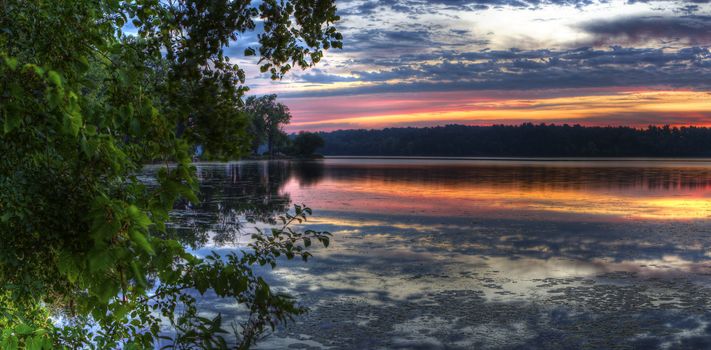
(635, 108)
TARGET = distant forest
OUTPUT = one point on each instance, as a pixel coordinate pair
(526, 140)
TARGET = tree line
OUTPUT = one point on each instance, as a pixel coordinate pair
(525, 140)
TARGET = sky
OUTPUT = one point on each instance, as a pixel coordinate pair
(483, 62)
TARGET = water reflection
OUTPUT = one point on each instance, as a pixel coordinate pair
(234, 197)
(538, 190)
(480, 254)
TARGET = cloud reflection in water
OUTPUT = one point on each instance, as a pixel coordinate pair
(489, 254)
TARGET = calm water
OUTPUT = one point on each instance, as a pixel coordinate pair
(462, 254)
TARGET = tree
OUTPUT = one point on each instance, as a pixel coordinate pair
(306, 143)
(83, 105)
(281, 142)
(267, 118)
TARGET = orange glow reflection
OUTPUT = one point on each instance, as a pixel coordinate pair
(561, 193)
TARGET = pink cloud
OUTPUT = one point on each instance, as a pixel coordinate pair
(592, 106)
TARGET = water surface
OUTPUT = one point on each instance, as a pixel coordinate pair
(461, 254)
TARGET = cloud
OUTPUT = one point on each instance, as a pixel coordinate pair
(536, 69)
(673, 1)
(689, 30)
(398, 52)
(320, 77)
(599, 106)
(635, 119)
(431, 6)
(379, 39)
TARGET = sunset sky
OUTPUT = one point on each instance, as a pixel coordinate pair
(481, 62)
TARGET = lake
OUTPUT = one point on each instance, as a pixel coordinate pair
(487, 253)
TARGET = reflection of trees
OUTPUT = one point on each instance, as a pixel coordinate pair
(236, 194)
(531, 176)
(309, 172)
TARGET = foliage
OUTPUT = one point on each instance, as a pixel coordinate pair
(526, 140)
(86, 260)
(306, 143)
(267, 118)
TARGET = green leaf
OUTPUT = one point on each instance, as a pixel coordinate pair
(189, 194)
(54, 78)
(100, 260)
(73, 116)
(35, 343)
(67, 266)
(90, 130)
(11, 62)
(138, 217)
(140, 240)
(10, 343)
(107, 290)
(35, 68)
(11, 122)
(73, 123)
(23, 329)
(83, 64)
(138, 274)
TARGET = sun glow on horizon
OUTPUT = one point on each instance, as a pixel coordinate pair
(631, 108)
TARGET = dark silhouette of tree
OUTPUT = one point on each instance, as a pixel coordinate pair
(267, 118)
(306, 143)
(525, 140)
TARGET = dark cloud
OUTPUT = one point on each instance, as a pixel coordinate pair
(428, 6)
(539, 69)
(320, 77)
(688, 9)
(386, 47)
(672, 1)
(689, 29)
(376, 41)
